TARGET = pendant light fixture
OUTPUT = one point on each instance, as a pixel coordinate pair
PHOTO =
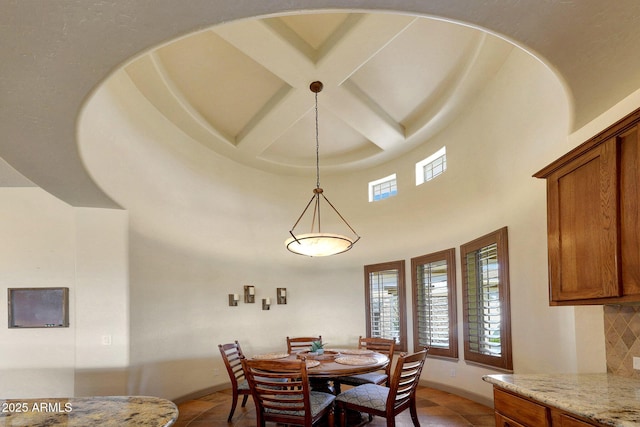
(317, 242)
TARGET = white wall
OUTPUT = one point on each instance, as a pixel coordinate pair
(46, 243)
(102, 296)
(38, 245)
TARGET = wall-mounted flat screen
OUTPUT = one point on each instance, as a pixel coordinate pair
(38, 307)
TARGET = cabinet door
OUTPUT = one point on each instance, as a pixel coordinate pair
(583, 226)
(629, 210)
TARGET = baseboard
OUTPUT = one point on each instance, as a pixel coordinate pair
(200, 393)
(459, 392)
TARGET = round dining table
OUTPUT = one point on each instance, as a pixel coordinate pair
(323, 369)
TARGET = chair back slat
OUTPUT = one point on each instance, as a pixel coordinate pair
(301, 343)
(405, 379)
(380, 345)
(280, 390)
(231, 356)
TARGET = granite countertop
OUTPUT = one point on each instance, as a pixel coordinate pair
(103, 411)
(608, 399)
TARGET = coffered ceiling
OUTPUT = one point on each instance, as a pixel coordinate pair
(390, 82)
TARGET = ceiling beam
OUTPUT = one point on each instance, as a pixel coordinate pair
(357, 40)
(360, 39)
(268, 47)
(357, 110)
(281, 112)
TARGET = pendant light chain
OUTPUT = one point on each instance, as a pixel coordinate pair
(317, 147)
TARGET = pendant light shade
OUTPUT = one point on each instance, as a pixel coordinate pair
(316, 242)
(319, 244)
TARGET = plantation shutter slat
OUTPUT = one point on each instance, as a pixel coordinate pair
(433, 310)
(484, 302)
(384, 304)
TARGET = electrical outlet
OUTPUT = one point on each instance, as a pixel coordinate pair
(452, 372)
(636, 363)
(106, 340)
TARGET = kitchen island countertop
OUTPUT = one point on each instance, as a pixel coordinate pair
(608, 399)
(103, 411)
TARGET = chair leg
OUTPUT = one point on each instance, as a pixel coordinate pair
(331, 417)
(391, 421)
(244, 400)
(342, 411)
(234, 402)
(414, 414)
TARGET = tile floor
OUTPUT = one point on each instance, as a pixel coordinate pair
(435, 409)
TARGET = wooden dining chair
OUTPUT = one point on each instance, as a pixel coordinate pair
(387, 402)
(281, 392)
(379, 345)
(301, 343)
(232, 356)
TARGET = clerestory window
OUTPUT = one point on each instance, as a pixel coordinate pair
(383, 188)
(432, 166)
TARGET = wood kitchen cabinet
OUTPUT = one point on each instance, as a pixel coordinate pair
(513, 410)
(593, 218)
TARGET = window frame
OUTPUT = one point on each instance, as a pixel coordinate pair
(419, 168)
(378, 182)
(399, 266)
(500, 239)
(448, 255)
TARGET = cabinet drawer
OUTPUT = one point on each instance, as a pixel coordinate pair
(502, 421)
(520, 410)
(567, 421)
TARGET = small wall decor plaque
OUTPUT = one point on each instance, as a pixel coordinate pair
(281, 295)
(249, 294)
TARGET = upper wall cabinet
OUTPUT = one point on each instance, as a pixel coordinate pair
(593, 218)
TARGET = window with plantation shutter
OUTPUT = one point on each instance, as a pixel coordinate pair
(384, 299)
(434, 303)
(487, 318)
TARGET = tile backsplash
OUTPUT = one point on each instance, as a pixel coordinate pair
(622, 335)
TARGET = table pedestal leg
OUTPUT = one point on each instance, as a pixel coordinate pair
(322, 384)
